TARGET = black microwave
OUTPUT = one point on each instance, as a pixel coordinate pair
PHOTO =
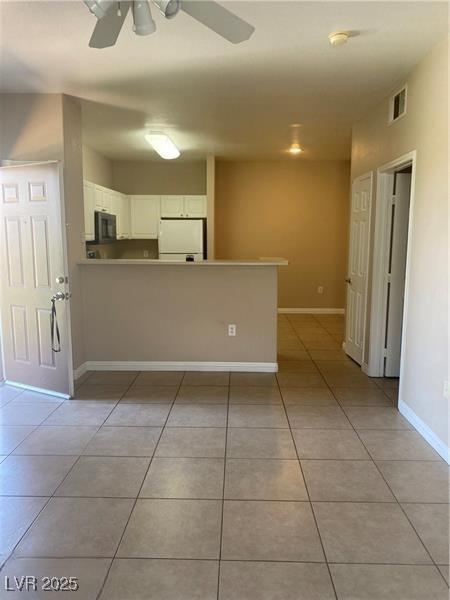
(105, 228)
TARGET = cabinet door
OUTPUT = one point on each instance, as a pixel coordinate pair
(172, 206)
(125, 215)
(108, 201)
(89, 209)
(116, 209)
(98, 194)
(195, 206)
(145, 213)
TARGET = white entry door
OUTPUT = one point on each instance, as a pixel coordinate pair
(397, 272)
(32, 271)
(358, 267)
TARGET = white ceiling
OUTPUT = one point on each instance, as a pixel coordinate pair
(213, 97)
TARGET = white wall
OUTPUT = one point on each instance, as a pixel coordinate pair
(425, 129)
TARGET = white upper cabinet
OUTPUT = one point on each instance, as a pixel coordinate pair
(172, 206)
(103, 199)
(124, 216)
(121, 208)
(195, 206)
(137, 216)
(145, 215)
(183, 207)
(89, 209)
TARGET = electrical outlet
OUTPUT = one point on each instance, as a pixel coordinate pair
(145, 253)
(231, 330)
(446, 392)
(320, 289)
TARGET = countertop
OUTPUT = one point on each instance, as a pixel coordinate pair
(263, 262)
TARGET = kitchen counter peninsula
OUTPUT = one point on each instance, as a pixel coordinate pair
(176, 315)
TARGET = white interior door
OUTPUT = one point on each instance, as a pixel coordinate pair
(358, 267)
(397, 272)
(32, 259)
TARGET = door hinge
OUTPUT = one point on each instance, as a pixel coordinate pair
(385, 351)
(393, 199)
(388, 278)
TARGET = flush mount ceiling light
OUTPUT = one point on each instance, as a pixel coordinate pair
(163, 145)
(295, 149)
(338, 38)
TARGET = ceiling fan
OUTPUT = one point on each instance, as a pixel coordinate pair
(111, 15)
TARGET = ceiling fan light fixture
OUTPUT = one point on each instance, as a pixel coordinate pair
(142, 17)
(168, 8)
(163, 145)
(98, 8)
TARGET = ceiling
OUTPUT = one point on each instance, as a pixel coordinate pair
(213, 97)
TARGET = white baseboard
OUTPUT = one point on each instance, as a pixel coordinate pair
(79, 371)
(312, 311)
(365, 368)
(32, 388)
(441, 448)
(260, 367)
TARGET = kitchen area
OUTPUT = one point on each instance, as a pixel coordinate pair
(144, 226)
(154, 296)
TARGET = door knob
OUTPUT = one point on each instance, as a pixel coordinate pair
(59, 296)
(60, 279)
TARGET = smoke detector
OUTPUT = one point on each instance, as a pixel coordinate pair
(338, 38)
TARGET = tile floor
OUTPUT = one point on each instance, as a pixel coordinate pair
(305, 485)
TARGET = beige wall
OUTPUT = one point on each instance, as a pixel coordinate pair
(157, 177)
(74, 217)
(293, 209)
(425, 129)
(179, 313)
(97, 168)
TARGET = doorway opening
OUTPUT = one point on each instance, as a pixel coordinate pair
(394, 204)
(34, 291)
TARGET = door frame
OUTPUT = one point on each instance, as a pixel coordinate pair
(8, 164)
(368, 175)
(385, 184)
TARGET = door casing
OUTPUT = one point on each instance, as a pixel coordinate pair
(378, 316)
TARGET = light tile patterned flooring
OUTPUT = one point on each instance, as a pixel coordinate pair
(308, 485)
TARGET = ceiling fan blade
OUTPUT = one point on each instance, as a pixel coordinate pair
(107, 30)
(219, 19)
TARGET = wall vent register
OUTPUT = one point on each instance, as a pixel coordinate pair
(397, 105)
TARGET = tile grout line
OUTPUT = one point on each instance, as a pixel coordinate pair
(308, 495)
(100, 592)
(11, 554)
(396, 501)
(223, 488)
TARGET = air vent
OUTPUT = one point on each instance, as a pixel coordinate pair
(397, 105)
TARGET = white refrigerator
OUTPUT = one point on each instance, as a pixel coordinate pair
(179, 239)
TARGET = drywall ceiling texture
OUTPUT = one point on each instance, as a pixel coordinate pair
(424, 128)
(213, 97)
(153, 177)
(294, 209)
